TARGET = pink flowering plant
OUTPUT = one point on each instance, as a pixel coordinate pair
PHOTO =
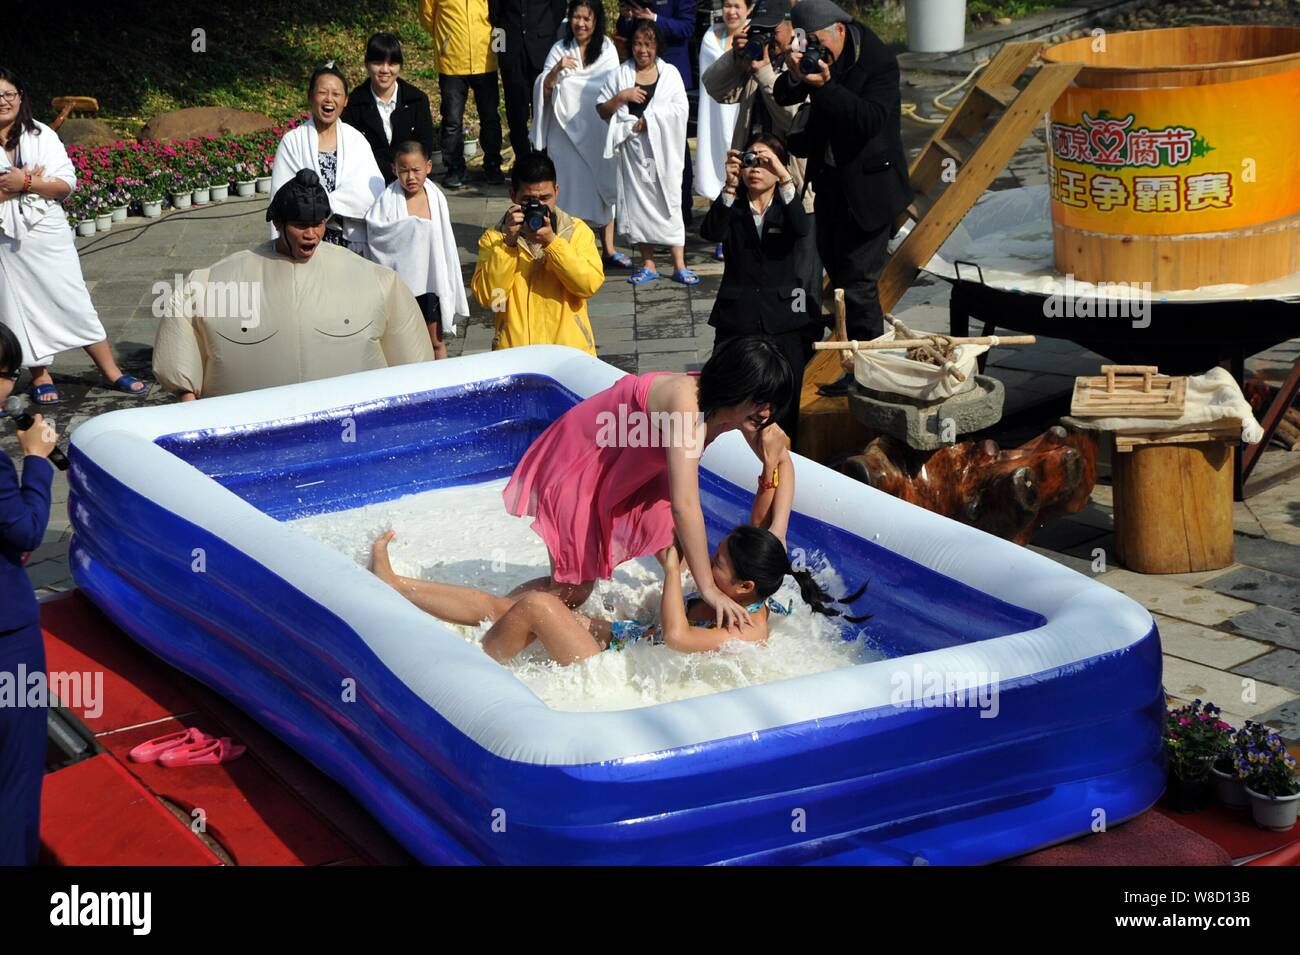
(1195, 737)
(1261, 761)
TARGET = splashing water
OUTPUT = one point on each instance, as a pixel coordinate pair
(463, 535)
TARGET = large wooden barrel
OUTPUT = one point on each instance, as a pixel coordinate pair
(1172, 157)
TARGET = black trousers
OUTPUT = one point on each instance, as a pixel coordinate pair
(455, 91)
(22, 754)
(797, 346)
(853, 258)
(517, 78)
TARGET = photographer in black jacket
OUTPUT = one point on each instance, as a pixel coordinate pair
(856, 164)
(760, 222)
(531, 28)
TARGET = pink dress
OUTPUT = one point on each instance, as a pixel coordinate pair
(595, 507)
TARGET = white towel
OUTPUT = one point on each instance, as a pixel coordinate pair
(358, 181)
(1212, 397)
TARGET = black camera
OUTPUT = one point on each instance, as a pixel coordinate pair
(748, 160)
(536, 215)
(757, 41)
(814, 55)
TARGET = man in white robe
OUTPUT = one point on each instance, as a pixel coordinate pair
(291, 310)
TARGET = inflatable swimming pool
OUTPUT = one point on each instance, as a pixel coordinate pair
(1019, 703)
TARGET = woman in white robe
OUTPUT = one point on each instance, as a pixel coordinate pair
(567, 127)
(716, 121)
(340, 155)
(644, 102)
(43, 297)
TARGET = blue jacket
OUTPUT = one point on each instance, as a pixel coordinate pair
(24, 512)
(676, 19)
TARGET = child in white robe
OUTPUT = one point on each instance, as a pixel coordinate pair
(644, 102)
(408, 229)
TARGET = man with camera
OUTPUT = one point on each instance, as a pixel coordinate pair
(538, 266)
(747, 77)
(848, 84)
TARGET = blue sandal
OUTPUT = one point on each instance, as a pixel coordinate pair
(686, 277)
(642, 276)
(41, 394)
(124, 384)
(618, 261)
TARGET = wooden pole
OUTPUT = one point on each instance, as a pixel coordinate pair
(920, 342)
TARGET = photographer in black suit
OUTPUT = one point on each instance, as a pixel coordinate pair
(856, 164)
(531, 27)
(760, 222)
(386, 109)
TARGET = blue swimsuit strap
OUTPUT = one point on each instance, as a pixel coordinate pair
(771, 603)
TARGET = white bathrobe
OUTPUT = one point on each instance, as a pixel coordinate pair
(649, 195)
(714, 126)
(421, 251)
(43, 297)
(358, 179)
(568, 127)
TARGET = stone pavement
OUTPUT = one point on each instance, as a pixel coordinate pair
(1231, 636)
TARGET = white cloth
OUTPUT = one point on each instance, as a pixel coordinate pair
(421, 251)
(358, 181)
(892, 372)
(568, 127)
(1212, 397)
(386, 107)
(714, 126)
(43, 297)
(649, 196)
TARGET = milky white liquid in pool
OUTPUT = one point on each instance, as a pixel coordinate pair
(463, 535)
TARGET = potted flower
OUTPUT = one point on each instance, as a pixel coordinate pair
(80, 212)
(1269, 773)
(1227, 784)
(181, 189)
(119, 199)
(153, 189)
(1194, 738)
(471, 143)
(245, 169)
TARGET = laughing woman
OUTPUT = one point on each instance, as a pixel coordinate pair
(43, 297)
(644, 102)
(339, 154)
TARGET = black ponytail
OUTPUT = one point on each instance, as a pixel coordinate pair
(758, 555)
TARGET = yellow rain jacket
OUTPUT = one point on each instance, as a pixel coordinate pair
(540, 295)
(462, 36)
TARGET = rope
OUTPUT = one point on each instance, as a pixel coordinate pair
(909, 109)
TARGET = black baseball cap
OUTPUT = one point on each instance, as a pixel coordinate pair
(769, 13)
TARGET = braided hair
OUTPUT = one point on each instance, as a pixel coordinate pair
(758, 555)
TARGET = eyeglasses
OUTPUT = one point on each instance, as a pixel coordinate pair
(9, 97)
(11, 375)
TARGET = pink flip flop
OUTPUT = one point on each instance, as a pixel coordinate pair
(149, 752)
(209, 752)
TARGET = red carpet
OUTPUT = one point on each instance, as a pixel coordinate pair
(1150, 839)
(1235, 830)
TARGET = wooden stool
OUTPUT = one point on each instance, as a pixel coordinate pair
(1173, 499)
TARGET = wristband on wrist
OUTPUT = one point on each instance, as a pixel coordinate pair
(27, 181)
(766, 484)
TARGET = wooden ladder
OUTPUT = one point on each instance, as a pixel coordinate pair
(947, 177)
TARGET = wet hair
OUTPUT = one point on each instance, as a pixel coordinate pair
(746, 368)
(535, 167)
(24, 122)
(11, 350)
(329, 69)
(384, 48)
(411, 147)
(758, 555)
(597, 42)
(772, 142)
(647, 26)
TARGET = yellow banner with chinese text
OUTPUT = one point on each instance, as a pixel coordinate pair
(1178, 160)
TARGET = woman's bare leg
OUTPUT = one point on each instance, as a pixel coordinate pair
(607, 238)
(541, 616)
(647, 256)
(679, 258)
(101, 353)
(450, 602)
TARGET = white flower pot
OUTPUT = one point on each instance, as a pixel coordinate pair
(245, 187)
(1230, 790)
(86, 227)
(119, 214)
(263, 184)
(151, 208)
(202, 196)
(181, 200)
(104, 222)
(221, 192)
(471, 148)
(1277, 813)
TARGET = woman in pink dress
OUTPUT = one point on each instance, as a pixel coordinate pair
(616, 477)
